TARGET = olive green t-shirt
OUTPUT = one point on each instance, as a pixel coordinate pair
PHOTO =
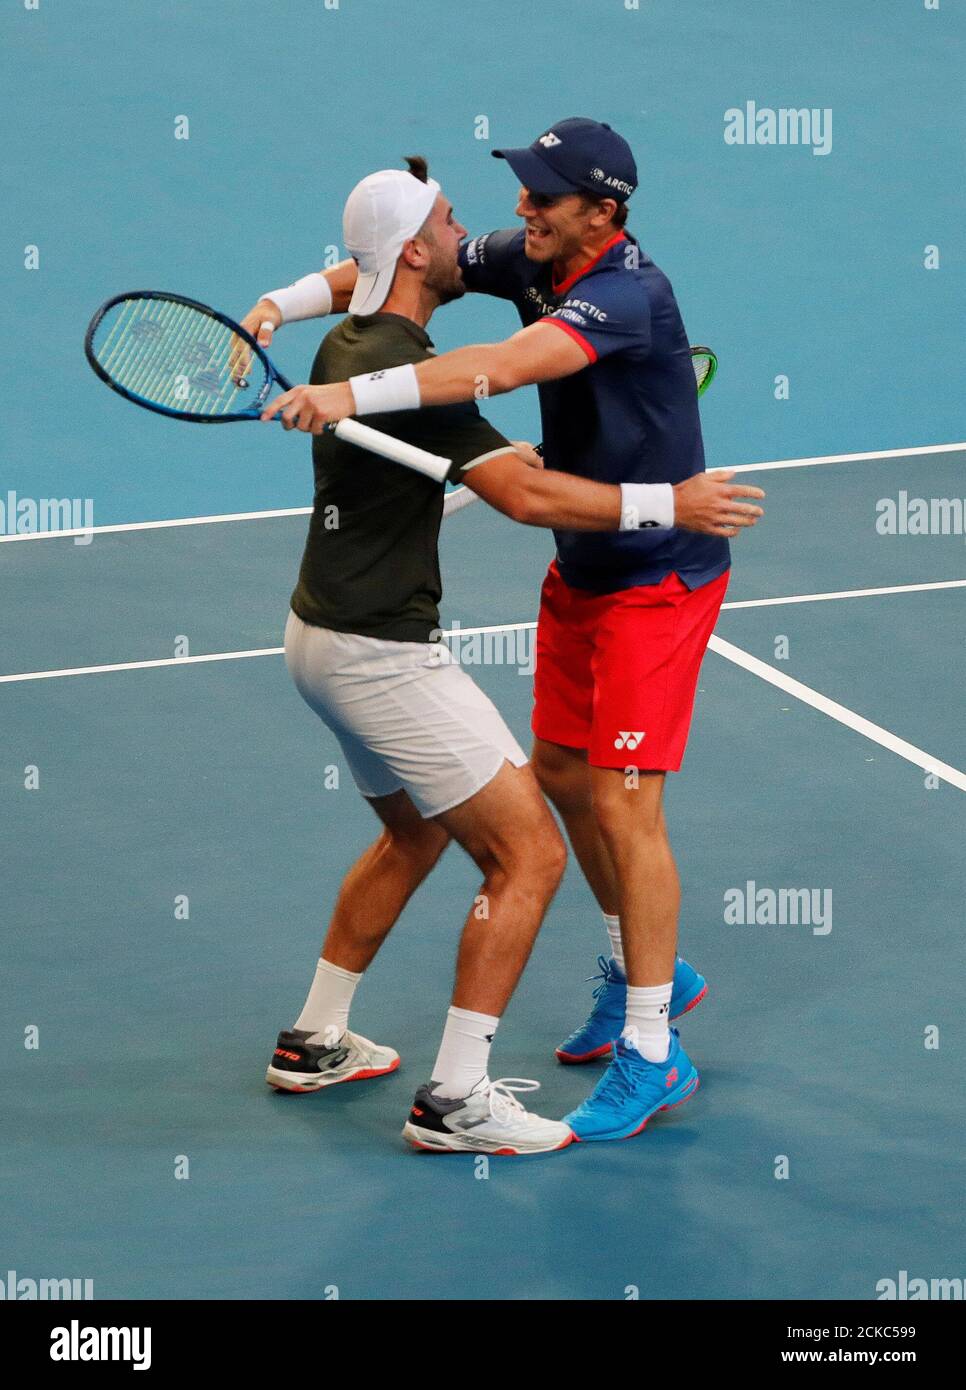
(371, 563)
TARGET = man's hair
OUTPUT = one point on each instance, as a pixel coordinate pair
(418, 166)
(619, 217)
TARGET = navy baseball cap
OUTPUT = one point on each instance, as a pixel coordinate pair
(576, 156)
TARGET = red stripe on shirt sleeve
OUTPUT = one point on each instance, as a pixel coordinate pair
(577, 337)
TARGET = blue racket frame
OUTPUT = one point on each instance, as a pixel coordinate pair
(252, 412)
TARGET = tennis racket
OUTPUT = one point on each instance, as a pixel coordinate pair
(705, 365)
(182, 359)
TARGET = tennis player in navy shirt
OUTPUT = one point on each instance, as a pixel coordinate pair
(625, 617)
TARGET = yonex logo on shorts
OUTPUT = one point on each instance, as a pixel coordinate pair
(628, 739)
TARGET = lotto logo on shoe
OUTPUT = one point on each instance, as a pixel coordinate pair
(671, 1077)
(626, 739)
(290, 1056)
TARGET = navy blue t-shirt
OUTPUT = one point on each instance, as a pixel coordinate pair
(630, 416)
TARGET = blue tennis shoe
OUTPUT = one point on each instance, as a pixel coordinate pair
(595, 1037)
(631, 1090)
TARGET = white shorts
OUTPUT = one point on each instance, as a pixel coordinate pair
(407, 716)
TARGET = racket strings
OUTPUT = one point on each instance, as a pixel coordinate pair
(705, 365)
(178, 357)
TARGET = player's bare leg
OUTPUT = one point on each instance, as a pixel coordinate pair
(567, 781)
(381, 882)
(509, 833)
(507, 829)
(649, 1069)
(630, 816)
(320, 1050)
(564, 778)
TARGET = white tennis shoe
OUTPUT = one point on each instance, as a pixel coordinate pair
(298, 1065)
(490, 1120)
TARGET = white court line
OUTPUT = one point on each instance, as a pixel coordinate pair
(741, 658)
(766, 602)
(157, 525)
(836, 711)
(852, 458)
(847, 593)
(451, 632)
(306, 511)
(139, 665)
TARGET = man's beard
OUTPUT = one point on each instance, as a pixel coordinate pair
(453, 291)
(447, 284)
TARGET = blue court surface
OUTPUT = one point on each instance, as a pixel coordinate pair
(172, 841)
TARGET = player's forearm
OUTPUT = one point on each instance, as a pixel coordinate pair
(465, 374)
(342, 281)
(538, 353)
(567, 503)
(535, 354)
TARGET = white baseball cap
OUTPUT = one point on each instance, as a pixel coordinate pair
(381, 214)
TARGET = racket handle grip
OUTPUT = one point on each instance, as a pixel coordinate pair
(353, 432)
(456, 500)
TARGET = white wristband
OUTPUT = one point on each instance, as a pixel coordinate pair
(646, 504)
(308, 298)
(394, 388)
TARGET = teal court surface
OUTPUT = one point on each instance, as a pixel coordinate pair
(163, 779)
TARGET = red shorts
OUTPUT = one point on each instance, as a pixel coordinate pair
(616, 673)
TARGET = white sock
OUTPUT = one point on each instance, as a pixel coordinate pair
(326, 1011)
(464, 1053)
(613, 925)
(646, 1022)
